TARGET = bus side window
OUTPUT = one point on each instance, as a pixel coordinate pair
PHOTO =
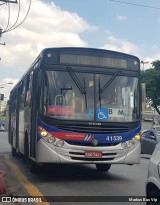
(45, 96)
(28, 89)
(22, 93)
(13, 102)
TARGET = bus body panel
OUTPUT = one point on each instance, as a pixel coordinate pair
(69, 153)
(48, 153)
(35, 93)
(27, 122)
(13, 130)
(21, 131)
(133, 156)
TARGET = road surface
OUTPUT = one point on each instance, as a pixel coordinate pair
(74, 183)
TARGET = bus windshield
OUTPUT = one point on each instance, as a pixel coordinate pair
(74, 95)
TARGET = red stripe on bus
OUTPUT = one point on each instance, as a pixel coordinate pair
(68, 136)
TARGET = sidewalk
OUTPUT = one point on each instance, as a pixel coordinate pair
(3, 189)
(5, 177)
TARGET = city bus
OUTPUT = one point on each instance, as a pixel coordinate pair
(77, 105)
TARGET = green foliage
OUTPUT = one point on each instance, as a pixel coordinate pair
(151, 77)
(156, 65)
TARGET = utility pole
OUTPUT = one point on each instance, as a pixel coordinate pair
(3, 44)
(143, 64)
(6, 1)
(1, 30)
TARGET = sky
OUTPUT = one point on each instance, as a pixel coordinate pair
(129, 26)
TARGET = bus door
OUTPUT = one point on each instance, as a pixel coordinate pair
(35, 100)
(13, 121)
(20, 116)
(17, 117)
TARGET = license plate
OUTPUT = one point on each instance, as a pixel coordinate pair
(93, 154)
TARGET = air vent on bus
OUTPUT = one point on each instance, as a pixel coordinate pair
(87, 144)
(93, 129)
(92, 159)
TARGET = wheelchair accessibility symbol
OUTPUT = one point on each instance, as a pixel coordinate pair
(102, 114)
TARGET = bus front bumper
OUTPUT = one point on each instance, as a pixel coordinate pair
(49, 153)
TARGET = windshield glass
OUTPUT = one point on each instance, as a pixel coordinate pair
(117, 98)
(85, 96)
(69, 95)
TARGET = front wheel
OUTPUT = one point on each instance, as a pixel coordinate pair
(14, 152)
(103, 167)
(32, 166)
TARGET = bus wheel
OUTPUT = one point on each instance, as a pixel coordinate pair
(103, 167)
(33, 167)
(14, 153)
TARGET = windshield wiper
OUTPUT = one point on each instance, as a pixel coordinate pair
(78, 83)
(101, 90)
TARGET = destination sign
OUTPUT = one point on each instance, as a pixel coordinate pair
(93, 61)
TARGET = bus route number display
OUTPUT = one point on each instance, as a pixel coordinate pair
(93, 61)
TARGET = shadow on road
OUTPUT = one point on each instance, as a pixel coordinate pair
(69, 172)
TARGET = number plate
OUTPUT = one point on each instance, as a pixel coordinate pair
(93, 154)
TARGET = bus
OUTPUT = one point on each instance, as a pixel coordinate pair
(77, 105)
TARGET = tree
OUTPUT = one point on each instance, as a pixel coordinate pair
(151, 77)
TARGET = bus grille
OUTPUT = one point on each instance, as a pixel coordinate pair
(92, 159)
(93, 129)
(89, 144)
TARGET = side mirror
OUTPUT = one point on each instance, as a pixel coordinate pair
(152, 137)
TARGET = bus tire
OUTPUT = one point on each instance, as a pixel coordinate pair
(103, 167)
(26, 148)
(14, 152)
(32, 166)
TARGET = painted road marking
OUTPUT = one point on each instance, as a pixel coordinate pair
(32, 190)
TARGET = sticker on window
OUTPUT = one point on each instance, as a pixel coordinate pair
(90, 113)
(102, 114)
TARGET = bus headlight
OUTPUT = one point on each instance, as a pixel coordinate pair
(132, 141)
(137, 137)
(51, 140)
(125, 145)
(42, 132)
(60, 143)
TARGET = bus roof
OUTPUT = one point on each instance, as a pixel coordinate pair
(87, 49)
(77, 50)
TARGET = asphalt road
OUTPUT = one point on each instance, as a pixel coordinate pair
(77, 180)
(4, 145)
